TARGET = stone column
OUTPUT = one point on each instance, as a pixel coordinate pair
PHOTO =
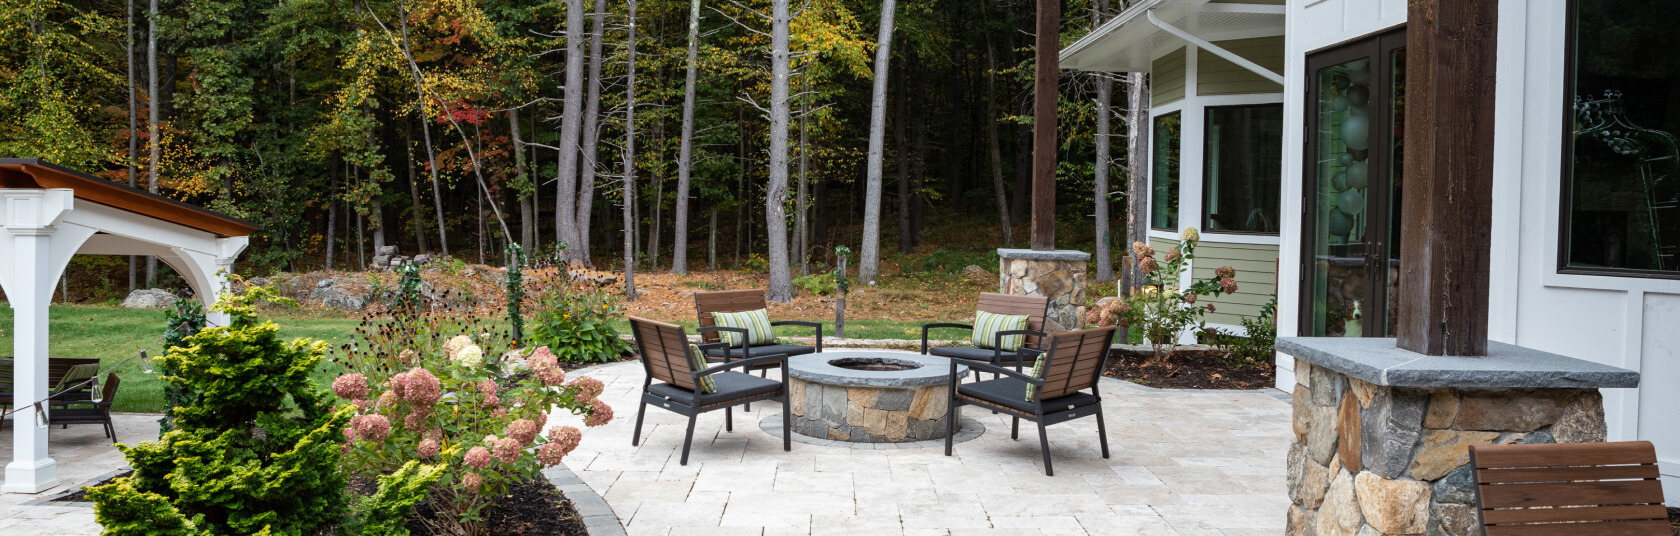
(31, 217)
(1059, 275)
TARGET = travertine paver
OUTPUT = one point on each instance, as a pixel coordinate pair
(1182, 463)
(83, 455)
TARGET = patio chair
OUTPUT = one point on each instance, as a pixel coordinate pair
(736, 301)
(1053, 393)
(1571, 489)
(1033, 307)
(73, 386)
(88, 411)
(685, 389)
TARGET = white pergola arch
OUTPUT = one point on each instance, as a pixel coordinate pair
(49, 214)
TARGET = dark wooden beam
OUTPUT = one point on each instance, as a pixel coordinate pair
(1044, 125)
(1447, 197)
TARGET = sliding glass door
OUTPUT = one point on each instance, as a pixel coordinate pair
(1355, 138)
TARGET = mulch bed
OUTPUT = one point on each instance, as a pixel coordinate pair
(80, 495)
(530, 508)
(1188, 369)
(1674, 520)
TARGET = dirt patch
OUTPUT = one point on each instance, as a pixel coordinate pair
(1674, 520)
(1188, 369)
(670, 298)
(530, 508)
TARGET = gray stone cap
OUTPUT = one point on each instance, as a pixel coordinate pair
(1380, 362)
(1053, 255)
(815, 368)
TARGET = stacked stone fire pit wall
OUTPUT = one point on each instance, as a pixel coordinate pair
(868, 414)
(1060, 275)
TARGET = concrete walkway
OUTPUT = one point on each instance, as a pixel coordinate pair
(1182, 463)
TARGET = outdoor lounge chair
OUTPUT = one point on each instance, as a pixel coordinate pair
(1073, 362)
(735, 301)
(1033, 307)
(666, 357)
(88, 411)
(1573, 489)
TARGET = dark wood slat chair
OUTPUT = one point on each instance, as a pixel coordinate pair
(88, 411)
(735, 301)
(57, 368)
(1073, 363)
(666, 357)
(1034, 307)
(1573, 489)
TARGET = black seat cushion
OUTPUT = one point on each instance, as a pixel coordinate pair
(730, 386)
(1012, 393)
(71, 416)
(975, 354)
(761, 351)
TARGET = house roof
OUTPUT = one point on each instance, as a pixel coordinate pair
(35, 173)
(1130, 42)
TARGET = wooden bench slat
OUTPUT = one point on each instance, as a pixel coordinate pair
(1593, 513)
(1565, 474)
(1570, 494)
(1616, 528)
(1570, 454)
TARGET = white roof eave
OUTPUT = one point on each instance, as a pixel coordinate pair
(1130, 42)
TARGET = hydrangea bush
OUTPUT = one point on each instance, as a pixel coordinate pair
(1159, 305)
(480, 414)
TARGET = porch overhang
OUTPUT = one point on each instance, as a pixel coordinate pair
(1131, 41)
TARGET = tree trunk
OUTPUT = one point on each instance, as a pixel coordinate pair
(918, 149)
(527, 209)
(655, 230)
(902, 116)
(153, 129)
(591, 145)
(775, 202)
(869, 264)
(711, 241)
(571, 119)
(801, 223)
(133, 129)
(685, 150)
(629, 160)
(332, 207)
(1105, 95)
(1137, 163)
(425, 126)
(995, 149)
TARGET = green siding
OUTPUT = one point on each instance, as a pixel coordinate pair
(1265, 2)
(1216, 76)
(1256, 267)
(1166, 78)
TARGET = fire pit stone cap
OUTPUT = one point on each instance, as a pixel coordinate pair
(1380, 362)
(815, 368)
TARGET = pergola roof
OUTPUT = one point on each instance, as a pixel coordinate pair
(35, 173)
(1130, 42)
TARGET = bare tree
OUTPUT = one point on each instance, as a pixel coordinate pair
(869, 265)
(133, 127)
(775, 202)
(527, 208)
(630, 162)
(992, 141)
(685, 151)
(801, 223)
(571, 119)
(154, 131)
(591, 141)
(1137, 164)
(902, 153)
(425, 126)
(1105, 94)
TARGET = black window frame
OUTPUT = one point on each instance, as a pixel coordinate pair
(1566, 170)
(1207, 193)
(1154, 161)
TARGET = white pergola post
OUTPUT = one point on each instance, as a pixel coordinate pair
(31, 222)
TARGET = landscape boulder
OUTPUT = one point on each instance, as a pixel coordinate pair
(149, 298)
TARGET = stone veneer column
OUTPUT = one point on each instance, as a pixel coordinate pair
(1383, 435)
(1058, 274)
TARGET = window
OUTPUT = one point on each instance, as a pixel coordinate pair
(1244, 168)
(1164, 188)
(1621, 184)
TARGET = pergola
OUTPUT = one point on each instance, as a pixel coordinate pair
(49, 214)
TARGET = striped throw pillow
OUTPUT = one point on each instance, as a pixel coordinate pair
(1037, 372)
(756, 322)
(707, 384)
(987, 325)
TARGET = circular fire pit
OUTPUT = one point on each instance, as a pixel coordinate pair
(870, 396)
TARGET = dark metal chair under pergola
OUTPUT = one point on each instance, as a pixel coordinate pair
(1570, 489)
(681, 388)
(1035, 308)
(89, 411)
(735, 301)
(1073, 363)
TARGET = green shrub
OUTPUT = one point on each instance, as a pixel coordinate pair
(1255, 349)
(1161, 308)
(576, 324)
(821, 283)
(255, 450)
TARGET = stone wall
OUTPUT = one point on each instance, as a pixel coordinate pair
(868, 414)
(1370, 460)
(1060, 275)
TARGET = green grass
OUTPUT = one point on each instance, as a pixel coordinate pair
(113, 334)
(855, 329)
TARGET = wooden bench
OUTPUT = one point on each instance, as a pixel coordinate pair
(56, 369)
(1576, 489)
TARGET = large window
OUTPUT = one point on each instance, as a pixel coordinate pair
(1621, 188)
(1164, 181)
(1244, 168)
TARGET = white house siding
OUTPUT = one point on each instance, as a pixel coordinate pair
(1621, 321)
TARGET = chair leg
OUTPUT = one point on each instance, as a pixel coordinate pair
(729, 419)
(688, 439)
(1044, 447)
(636, 435)
(951, 418)
(787, 421)
(113, 428)
(1102, 432)
(1014, 427)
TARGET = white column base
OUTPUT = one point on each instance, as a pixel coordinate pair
(30, 477)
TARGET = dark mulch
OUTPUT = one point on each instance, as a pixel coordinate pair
(530, 508)
(1188, 369)
(1674, 520)
(569, 366)
(80, 495)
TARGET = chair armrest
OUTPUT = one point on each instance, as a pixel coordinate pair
(988, 367)
(712, 346)
(938, 325)
(815, 325)
(773, 358)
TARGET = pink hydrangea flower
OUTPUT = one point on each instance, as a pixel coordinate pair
(415, 420)
(407, 356)
(351, 386)
(428, 448)
(362, 405)
(472, 481)
(1174, 254)
(492, 401)
(1210, 307)
(1148, 265)
(566, 437)
(1225, 272)
(547, 367)
(599, 413)
(486, 386)
(388, 400)
(508, 449)
(1141, 250)
(1190, 298)
(542, 420)
(421, 387)
(499, 413)
(350, 433)
(371, 428)
(434, 434)
(1229, 284)
(491, 439)
(478, 457)
(550, 454)
(398, 383)
(524, 430)
(588, 388)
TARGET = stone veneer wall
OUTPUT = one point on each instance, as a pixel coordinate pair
(1057, 274)
(1370, 460)
(868, 414)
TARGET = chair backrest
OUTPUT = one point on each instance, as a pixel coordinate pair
(75, 374)
(108, 391)
(1074, 361)
(1035, 307)
(664, 350)
(1574, 489)
(725, 301)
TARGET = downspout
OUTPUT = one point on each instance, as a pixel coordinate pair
(1215, 49)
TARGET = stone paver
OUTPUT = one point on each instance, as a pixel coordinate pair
(84, 456)
(1181, 463)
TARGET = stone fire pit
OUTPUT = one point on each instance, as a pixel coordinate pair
(870, 396)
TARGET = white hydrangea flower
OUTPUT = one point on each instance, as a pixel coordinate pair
(471, 356)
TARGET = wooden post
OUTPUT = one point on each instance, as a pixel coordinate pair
(840, 300)
(1044, 125)
(1448, 179)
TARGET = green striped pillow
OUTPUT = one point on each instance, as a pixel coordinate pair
(698, 360)
(987, 325)
(756, 322)
(1038, 373)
